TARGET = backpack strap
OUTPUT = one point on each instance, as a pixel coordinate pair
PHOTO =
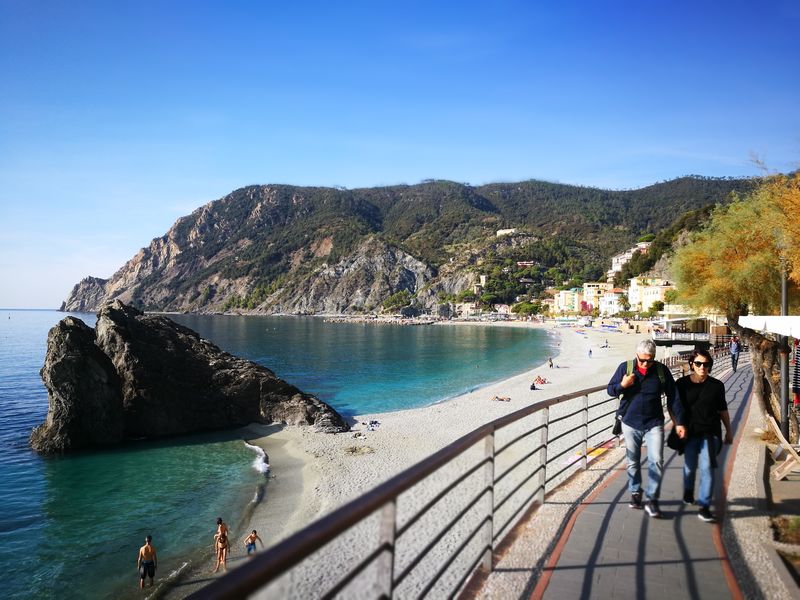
(659, 369)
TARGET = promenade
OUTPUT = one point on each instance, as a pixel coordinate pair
(601, 548)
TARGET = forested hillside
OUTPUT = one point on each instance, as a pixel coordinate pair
(279, 248)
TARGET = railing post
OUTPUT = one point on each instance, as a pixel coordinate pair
(543, 436)
(384, 584)
(585, 427)
(488, 449)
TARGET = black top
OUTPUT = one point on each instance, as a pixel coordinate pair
(702, 403)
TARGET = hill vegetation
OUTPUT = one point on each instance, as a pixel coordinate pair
(263, 243)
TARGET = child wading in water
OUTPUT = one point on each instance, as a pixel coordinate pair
(250, 542)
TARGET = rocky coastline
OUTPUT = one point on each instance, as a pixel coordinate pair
(144, 376)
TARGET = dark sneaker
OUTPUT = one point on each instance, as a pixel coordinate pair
(688, 497)
(636, 500)
(705, 515)
(651, 507)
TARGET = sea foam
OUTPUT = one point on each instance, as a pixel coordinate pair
(260, 463)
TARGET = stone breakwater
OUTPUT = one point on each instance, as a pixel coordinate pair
(144, 376)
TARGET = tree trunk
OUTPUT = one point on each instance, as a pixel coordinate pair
(765, 361)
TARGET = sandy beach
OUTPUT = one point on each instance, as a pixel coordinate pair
(312, 474)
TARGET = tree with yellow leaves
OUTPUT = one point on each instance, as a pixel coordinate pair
(734, 264)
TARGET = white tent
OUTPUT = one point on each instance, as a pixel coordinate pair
(789, 326)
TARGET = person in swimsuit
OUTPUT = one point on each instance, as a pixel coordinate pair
(250, 542)
(221, 547)
(147, 561)
(221, 529)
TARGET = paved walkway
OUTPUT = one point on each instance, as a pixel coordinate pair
(608, 550)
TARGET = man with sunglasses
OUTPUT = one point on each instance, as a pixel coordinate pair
(703, 402)
(642, 418)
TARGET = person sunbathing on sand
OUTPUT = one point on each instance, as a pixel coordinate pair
(502, 399)
(540, 380)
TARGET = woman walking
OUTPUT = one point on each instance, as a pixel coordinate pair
(704, 408)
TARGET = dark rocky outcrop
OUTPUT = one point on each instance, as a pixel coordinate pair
(144, 376)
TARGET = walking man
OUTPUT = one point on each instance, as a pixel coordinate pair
(641, 385)
(735, 348)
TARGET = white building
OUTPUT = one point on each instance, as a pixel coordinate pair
(611, 302)
(618, 261)
(593, 291)
(643, 291)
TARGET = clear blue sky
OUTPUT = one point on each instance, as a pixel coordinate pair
(118, 117)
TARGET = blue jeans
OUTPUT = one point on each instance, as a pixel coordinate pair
(654, 437)
(734, 361)
(695, 454)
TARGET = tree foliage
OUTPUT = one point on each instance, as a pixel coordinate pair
(733, 265)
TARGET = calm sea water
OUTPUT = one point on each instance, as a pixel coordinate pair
(71, 526)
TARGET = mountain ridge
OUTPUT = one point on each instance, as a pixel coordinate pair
(290, 249)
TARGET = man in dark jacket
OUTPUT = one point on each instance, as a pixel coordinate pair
(643, 420)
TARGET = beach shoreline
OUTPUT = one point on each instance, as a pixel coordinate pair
(334, 469)
(312, 474)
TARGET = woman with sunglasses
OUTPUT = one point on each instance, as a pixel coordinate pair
(704, 408)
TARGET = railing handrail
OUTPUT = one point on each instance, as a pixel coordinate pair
(267, 565)
(273, 562)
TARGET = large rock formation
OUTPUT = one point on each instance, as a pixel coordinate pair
(142, 376)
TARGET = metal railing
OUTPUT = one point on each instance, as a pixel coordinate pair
(457, 506)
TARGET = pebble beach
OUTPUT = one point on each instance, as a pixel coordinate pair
(311, 474)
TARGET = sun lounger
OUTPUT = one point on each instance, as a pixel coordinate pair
(792, 460)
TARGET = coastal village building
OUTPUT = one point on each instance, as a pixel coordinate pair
(501, 232)
(548, 305)
(619, 261)
(467, 309)
(611, 302)
(592, 292)
(569, 301)
(643, 291)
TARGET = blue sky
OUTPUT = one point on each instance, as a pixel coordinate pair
(116, 118)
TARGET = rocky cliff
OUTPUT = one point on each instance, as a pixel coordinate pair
(144, 376)
(286, 249)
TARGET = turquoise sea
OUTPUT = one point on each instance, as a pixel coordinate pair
(71, 526)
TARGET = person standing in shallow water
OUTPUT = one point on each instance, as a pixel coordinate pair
(703, 402)
(250, 542)
(221, 547)
(147, 561)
